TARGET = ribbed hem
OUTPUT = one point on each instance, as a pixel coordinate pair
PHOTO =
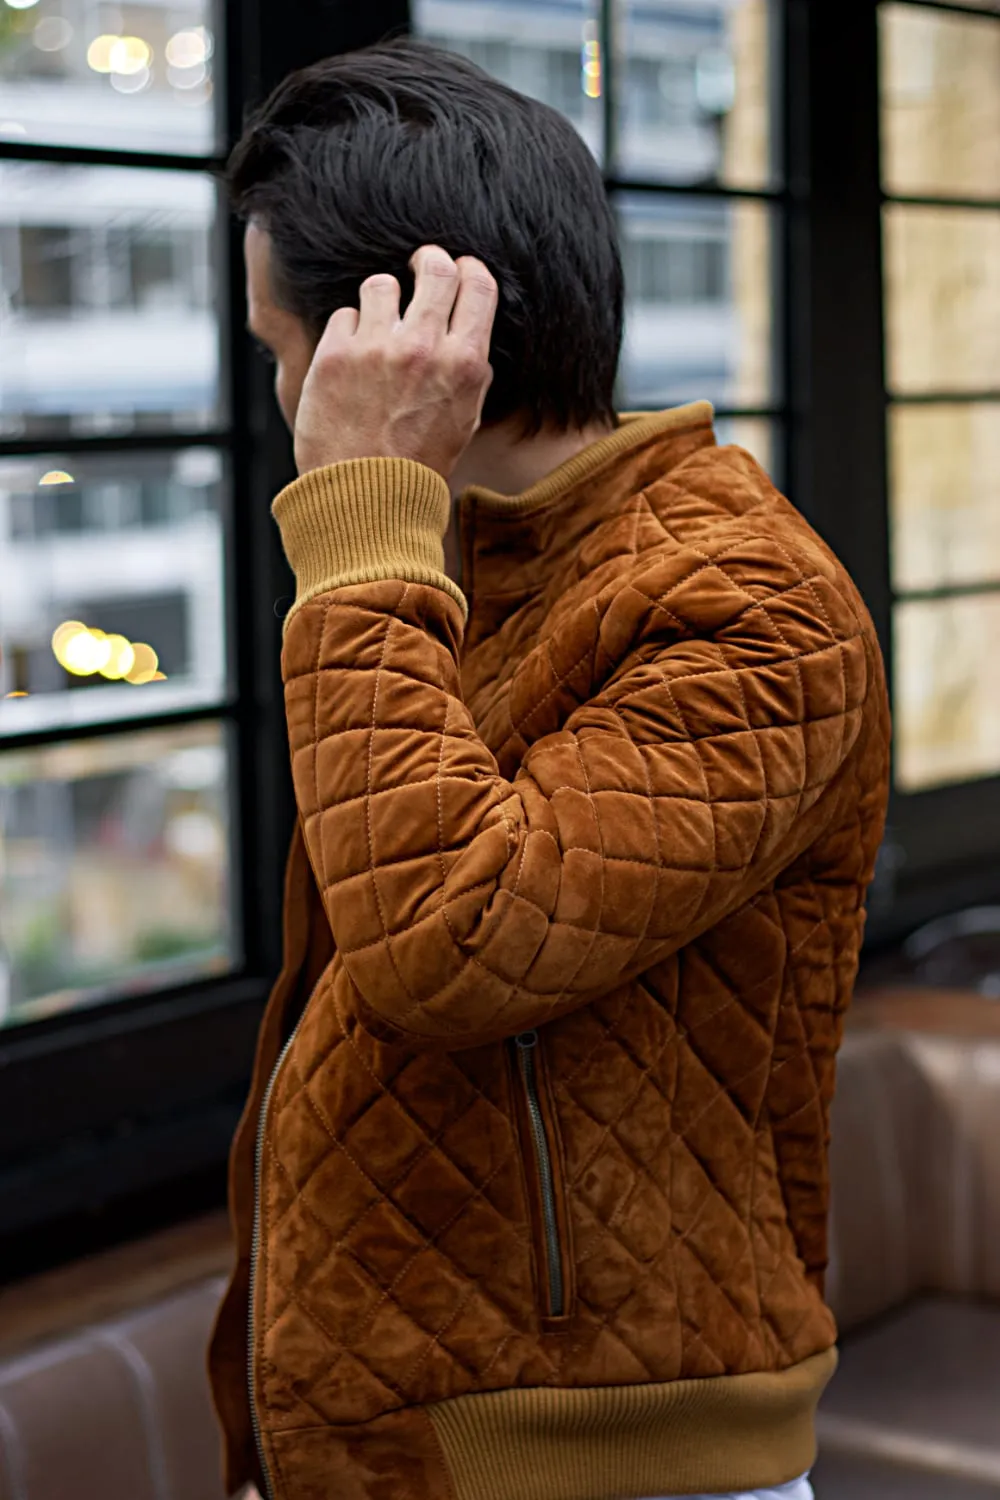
(685, 1437)
(364, 521)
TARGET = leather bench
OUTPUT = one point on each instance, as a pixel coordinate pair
(103, 1389)
(914, 1410)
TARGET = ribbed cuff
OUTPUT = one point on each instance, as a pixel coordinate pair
(363, 521)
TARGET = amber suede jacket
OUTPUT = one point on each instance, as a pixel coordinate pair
(530, 1194)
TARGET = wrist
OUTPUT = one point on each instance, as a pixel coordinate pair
(364, 520)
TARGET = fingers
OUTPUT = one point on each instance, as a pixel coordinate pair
(475, 306)
(340, 326)
(379, 312)
(435, 284)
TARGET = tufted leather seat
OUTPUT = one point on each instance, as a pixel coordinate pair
(103, 1390)
(118, 1409)
(914, 1410)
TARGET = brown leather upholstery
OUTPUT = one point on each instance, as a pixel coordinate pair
(915, 1162)
(103, 1392)
(914, 1410)
(118, 1411)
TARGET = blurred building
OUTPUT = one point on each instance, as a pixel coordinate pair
(114, 851)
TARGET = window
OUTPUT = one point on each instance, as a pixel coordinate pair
(83, 75)
(940, 87)
(144, 805)
(668, 98)
(114, 608)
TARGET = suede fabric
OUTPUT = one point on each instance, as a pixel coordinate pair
(633, 804)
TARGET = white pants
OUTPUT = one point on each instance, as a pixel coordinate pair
(799, 1489)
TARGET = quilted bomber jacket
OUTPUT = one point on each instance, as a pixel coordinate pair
(531, 1188)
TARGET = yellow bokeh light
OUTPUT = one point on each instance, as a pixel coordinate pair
(16, 695)
(591, 71)
(99, 52)
(187, 49)
(121, 660)
(144, 664)
(62, 633)
(86, 652)
(130, 54)
(56, 476)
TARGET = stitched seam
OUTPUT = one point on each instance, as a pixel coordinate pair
(384, 1195)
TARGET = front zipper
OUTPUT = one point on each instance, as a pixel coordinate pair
(526, 1045)
(254, 1251)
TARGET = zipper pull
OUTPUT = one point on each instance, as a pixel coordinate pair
(526, 1040)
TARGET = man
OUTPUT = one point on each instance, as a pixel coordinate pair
(531, 1188)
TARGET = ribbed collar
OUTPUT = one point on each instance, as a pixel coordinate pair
(634, 431)
(510, 543)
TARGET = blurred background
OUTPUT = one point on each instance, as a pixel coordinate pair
(808, 198)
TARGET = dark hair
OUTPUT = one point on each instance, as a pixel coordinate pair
(354, 162)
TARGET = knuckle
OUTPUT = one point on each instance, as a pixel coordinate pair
(438, 263)
(330, 364)
(415, 353)
(469, 366)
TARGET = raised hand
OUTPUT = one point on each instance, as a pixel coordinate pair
(381, 385)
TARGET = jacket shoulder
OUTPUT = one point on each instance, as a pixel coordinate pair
(719, 543)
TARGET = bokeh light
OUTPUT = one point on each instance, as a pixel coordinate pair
(189, 49)
(62, 634)
(99, 52)
(84, 651)
(591, 66)
(52, 34)
(56, 476)
(186, 78)
(129, 54)
(131, 83)
(121, 660)
(144, 665)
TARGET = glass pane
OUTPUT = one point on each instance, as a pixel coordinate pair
(700, 313)
(107, 300)
(757, 435)
(947, 690)
(942, 270)
(694, 91)
(80, 73)
(547, 50)
(944, 469)
(940, 102)
(124, 551)
(115, 868)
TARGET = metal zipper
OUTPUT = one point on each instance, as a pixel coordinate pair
(254, 1251)
(526, 1045)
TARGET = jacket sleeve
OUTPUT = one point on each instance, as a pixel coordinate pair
(808, 1034)
(467, 906)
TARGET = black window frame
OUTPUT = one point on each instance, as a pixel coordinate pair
(123, 1112)
(941, 846)
(121, 1115)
